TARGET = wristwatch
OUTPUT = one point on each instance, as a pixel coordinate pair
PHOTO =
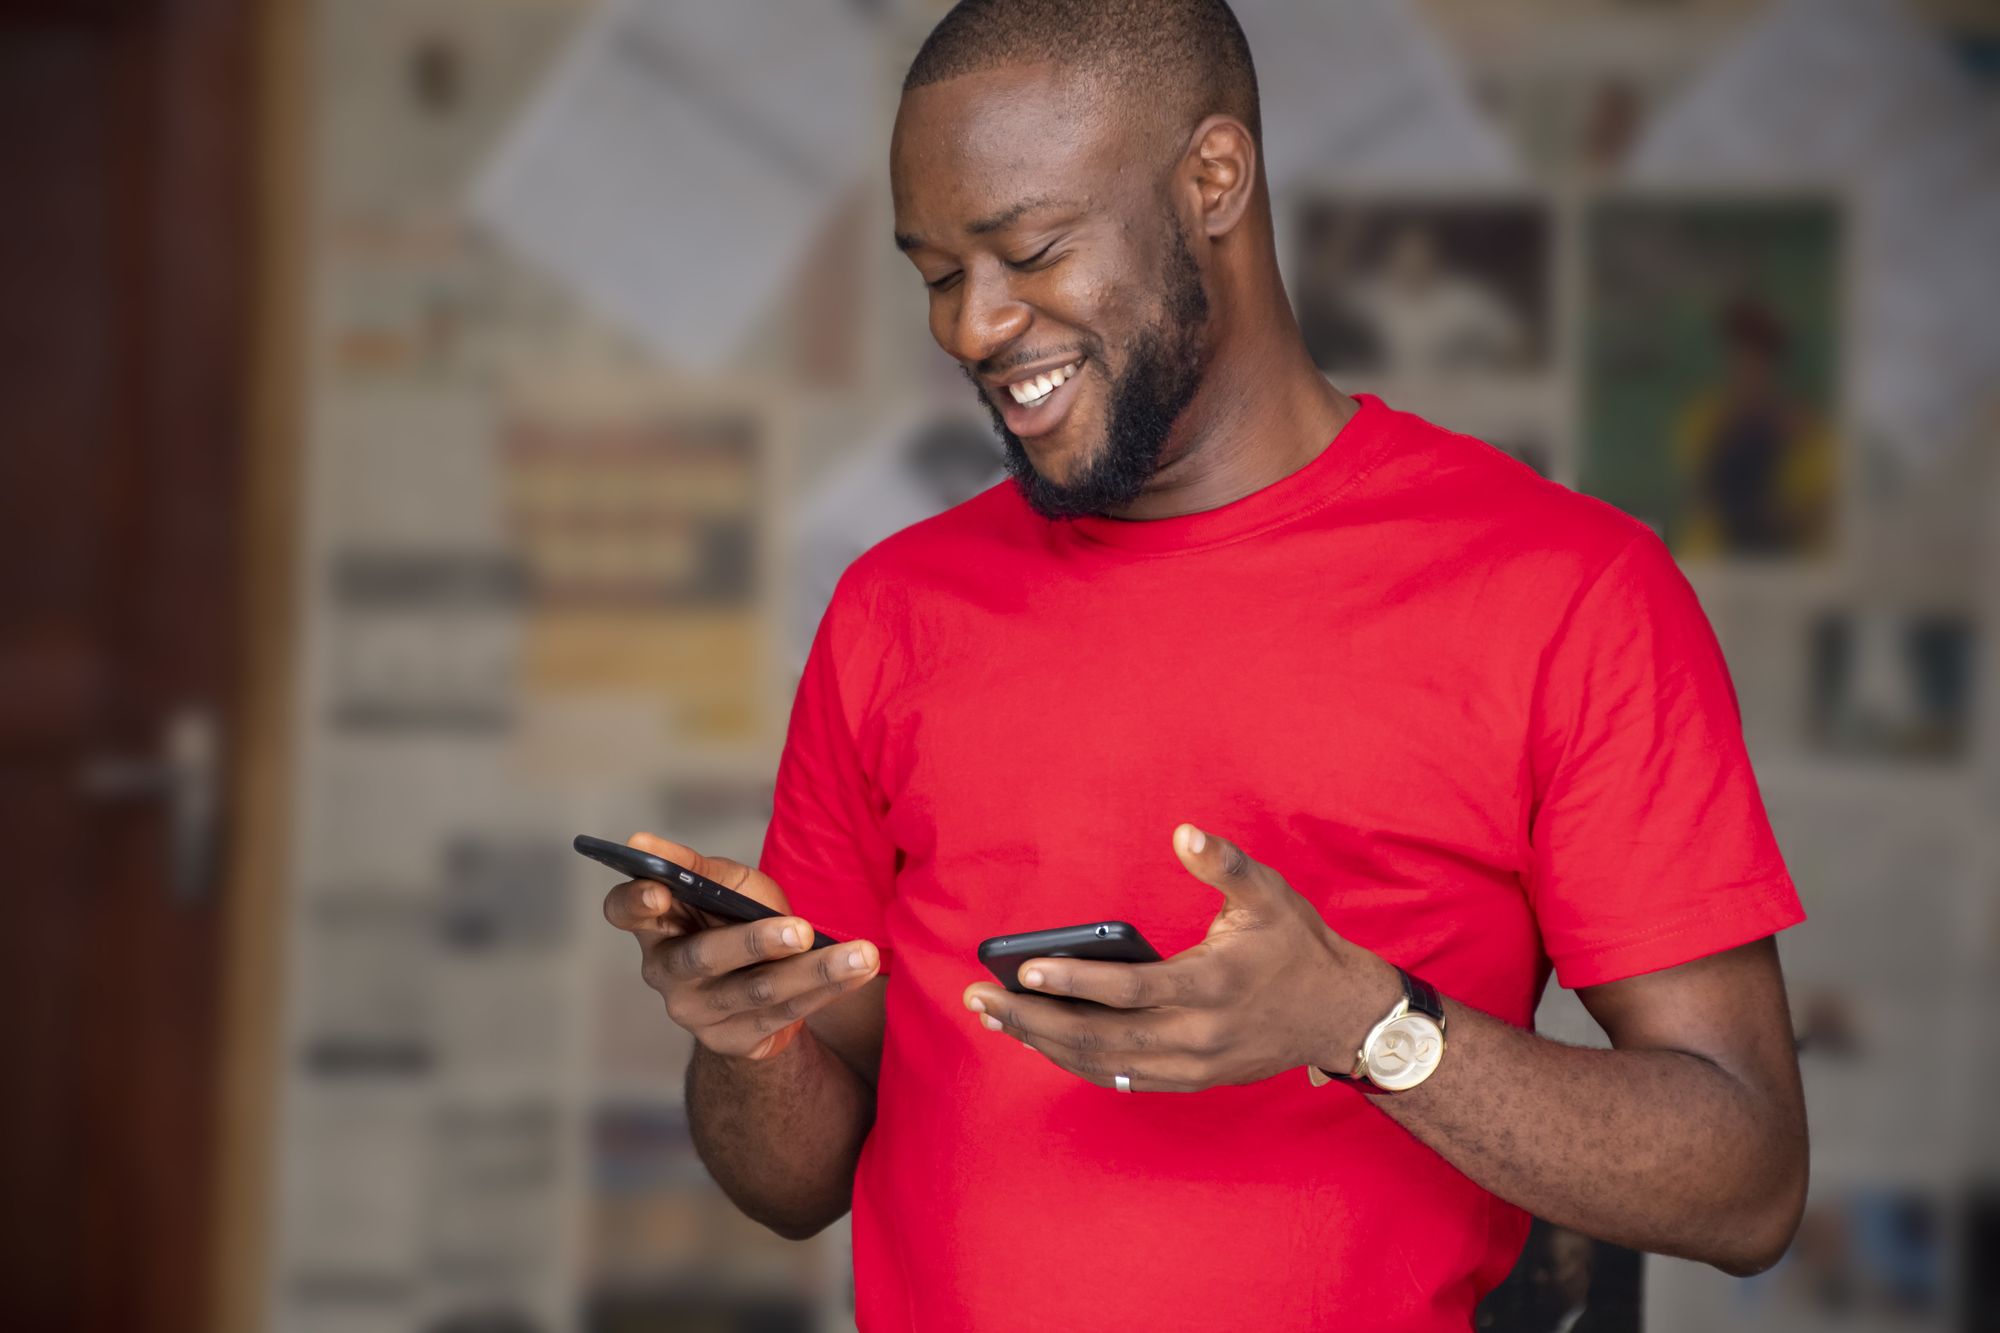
(1402, 1050)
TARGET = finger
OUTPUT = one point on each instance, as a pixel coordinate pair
(779, 984)
(711, 953)
(640, 905)
(729, 874)
(1245, 885)
(1054, 1023)
(742, 1033)
(1164, 1072)
(1181, 981)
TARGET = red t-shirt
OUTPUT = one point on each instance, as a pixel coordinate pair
(1478, 719)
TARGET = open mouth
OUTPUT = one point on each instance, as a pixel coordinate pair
(1034, 392)
(1037, 404)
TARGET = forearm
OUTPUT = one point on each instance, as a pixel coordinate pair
(781, 1136)
(1657, 1150)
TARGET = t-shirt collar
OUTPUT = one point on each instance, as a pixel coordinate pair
(1288, 498)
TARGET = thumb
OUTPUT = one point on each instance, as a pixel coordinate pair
(1245, 884)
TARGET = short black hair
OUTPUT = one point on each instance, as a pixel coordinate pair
(1151, 48)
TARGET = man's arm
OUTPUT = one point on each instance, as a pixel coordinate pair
(782, 1135)
(781, 1088)
(1687, 1138)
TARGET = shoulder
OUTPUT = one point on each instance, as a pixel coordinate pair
(897, 585)
(989, 526)
(1486, 510)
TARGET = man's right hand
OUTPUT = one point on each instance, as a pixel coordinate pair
(740, 989)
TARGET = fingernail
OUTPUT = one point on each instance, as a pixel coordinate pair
(792, 936)
(976, 1005)
(1032, 977)
(1196, 840)
(993, 1024)
(856, 959)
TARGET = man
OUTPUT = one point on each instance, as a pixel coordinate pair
(1304, 688)
(1756, 458)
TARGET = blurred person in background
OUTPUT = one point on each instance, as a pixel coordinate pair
(1455, 729)
(1757, 458)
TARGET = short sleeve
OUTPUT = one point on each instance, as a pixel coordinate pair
(1649, 842)
(826, 845)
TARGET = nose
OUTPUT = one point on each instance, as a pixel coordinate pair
(987, 317)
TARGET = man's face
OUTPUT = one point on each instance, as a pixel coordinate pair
(1042, 230)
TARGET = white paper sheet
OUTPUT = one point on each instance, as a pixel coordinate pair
(679, 161)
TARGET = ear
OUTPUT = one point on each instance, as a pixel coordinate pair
(1221, 169)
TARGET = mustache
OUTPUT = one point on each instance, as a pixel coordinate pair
(999, 365)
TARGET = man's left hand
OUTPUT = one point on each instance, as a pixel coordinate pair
(1270, 987)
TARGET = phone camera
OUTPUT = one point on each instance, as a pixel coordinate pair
(1103, 931)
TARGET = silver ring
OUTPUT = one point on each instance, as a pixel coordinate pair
(1123, 1082)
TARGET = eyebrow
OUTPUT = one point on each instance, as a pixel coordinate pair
(1004, 218)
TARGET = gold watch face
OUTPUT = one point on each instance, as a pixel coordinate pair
(1405, 1052)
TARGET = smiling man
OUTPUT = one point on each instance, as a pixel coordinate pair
(1366, 727)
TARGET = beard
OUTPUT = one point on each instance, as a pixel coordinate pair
(1163, 371)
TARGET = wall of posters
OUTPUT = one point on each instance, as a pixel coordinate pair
(577, 487)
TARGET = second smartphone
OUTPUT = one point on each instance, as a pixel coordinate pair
(1099, 941)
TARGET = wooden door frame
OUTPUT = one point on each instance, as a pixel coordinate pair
(258, 886)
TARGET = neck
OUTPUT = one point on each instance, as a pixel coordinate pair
(1264, 411)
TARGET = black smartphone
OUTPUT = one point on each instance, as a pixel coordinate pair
(1101, 941)
(694, 890)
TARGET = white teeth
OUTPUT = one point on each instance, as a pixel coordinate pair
(1029, 392)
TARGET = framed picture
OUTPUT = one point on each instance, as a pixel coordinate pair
(1422, 286)
(1712, 349)
(1892, 686)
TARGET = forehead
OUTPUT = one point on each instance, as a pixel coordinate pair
(985, 142)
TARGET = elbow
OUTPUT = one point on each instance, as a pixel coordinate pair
(796, 1224)
(797, 1229)
(1767, 1226)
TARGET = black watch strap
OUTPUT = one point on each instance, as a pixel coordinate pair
(1423, 998)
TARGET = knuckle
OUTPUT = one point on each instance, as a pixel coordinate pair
(825, 966)
(1234, 862)
(1204, 1035)
(654, 972)
(1085, 1039)
(761, 990)
(1143, 1038)
(1132, 988)
(693, 954)
(718, 1000)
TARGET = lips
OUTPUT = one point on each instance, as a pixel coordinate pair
(1048, 393)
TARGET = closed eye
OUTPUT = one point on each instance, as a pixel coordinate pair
(1031, 259)
(944, 283)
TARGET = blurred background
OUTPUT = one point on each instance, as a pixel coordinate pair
(433, 428)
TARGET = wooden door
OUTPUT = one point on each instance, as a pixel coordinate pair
(124, 239)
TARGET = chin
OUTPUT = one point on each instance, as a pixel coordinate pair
(1063, 456)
